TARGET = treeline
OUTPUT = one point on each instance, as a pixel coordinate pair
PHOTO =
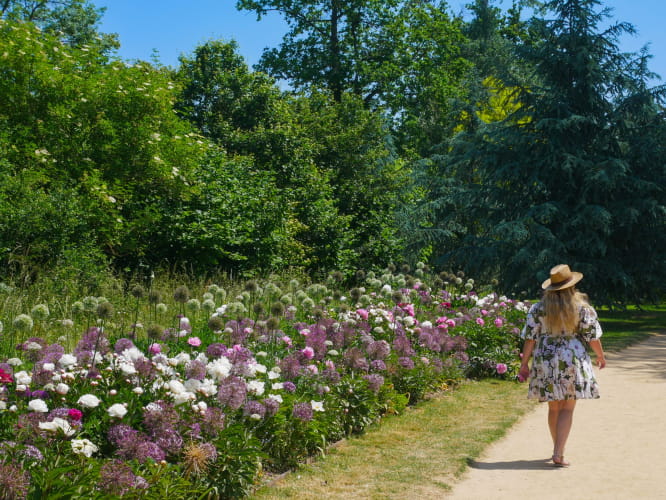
(488, 143)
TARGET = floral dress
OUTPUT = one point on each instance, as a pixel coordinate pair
(561, 367)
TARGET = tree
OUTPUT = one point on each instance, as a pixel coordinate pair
(561, 179)
(75, 22)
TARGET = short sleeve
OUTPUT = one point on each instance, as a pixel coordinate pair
(589, 327)
(532, 327)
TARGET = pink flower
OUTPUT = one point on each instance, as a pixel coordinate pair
(363, 313)
(450, 323)
(483, 312)
(75, 414)
(499, 322)
(287, 340)
(501, 368)
(441, 319)
(194, 341)
(313, 369)
(154, 348)
(408, 308)
(308, 352)
(329, 364)
(479, 321)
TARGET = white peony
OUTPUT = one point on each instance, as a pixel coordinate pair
(117, 410)
(62, 388)
(22, 378)
(89, 401)
(38, 405)
(219, 369)
(255, 387)
(57, 424)
(83, 447)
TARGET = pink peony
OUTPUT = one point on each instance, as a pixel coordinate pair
(479, 321)
(501, 368)
(75, 414)
(499, 322)
(154, 348)
(194, 341)
(308, 352)
(363, 313)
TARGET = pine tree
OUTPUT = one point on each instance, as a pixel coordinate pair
(574, 175)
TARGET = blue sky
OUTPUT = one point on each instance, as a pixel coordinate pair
(174, 27)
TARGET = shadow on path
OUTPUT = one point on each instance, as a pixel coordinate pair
(513, 465)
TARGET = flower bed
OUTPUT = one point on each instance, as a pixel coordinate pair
(253, 384)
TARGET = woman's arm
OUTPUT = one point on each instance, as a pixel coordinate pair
(524, 372)
(595, 344)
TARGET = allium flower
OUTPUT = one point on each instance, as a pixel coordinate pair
(377, 365)
(195, 370)
(197, 457)
(89, 401)
(193, 305)
(254, 409)
(501, 368)
(117, 410)
(23, 323)
(40, 312)
(375, 381)
(302, 411)
(232, 392)
(83, 447)
(14, 481)
(122, 344)
(272, 404)
(289, 386)
(117, 478)
(147, 450)
(406, 362)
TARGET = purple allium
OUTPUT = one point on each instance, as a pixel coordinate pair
(195, 369)
(116, 478)
(145, 368)
(377, 365)
(33, 348)
(216, 350)
(212, 421)
(406, 362)
(123, 344)
(232, 392)
(169, 440)
(302, 411)
(331, 375)
(92, 340)
(120, 435)
(354, 358)
(379, 349)
(402, 345)
(289, 386)
(14, 481)
(461, 356)
(147, 450)
(11, 448)
(254, 408)
(52, 353)
(272, 406)
(158, 417)
(375, 381)
(460, 343)
(290, 366)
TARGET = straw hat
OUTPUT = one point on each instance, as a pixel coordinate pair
(561, 277)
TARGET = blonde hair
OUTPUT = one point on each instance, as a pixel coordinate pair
(562, 310)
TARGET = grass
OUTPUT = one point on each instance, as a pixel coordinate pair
(625, 327)
(421, 453)
(415, 455)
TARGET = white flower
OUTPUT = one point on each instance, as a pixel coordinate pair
(182, 358)
(277, 386)
(38, 406)
(255, 387)
(261, 354)
(426, 324)
(259, 368)
(138, 390)
(132, 354)
(117, 410)
(127, 368)
(67, 360)
(49, 367)
(83, 447)
(408, 321)
(272, 375)
(14, 362)
(317, 405)
(22, 378)
(33, 346)
(3, 405)
(176, 386)
(89, 401)
(57, 424)
(207, 387)
(333, 352)
(183, 397)
(276, 397)
(328, 343)
(62, 388)
(219, 369)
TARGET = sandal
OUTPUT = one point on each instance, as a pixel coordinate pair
(558, 461)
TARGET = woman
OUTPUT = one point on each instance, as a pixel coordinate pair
(556, 333)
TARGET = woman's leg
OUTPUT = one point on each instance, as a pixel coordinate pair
(562, 424)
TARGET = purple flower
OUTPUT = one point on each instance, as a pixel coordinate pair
(169, 440)
(120, 435)
(302, 411)
(212, 421)
(254, 408)
(216, 350)
(377, 365)
(196, 370)
(154, 348)
(271, 405)
(232, 392)
(14, 481)
(289, 386)
(123, 344)
(375, 381)
(290, 366)
(406, 362)
(402, 345)
(116, 478)
(379, 349)
(308, 353)
(147, 450)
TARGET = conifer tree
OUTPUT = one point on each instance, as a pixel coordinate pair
(575, 174)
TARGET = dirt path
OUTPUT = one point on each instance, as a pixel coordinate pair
(617, 445)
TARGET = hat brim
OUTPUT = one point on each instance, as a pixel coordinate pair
(575, 278)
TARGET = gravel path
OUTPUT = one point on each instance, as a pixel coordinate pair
(617, 445)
